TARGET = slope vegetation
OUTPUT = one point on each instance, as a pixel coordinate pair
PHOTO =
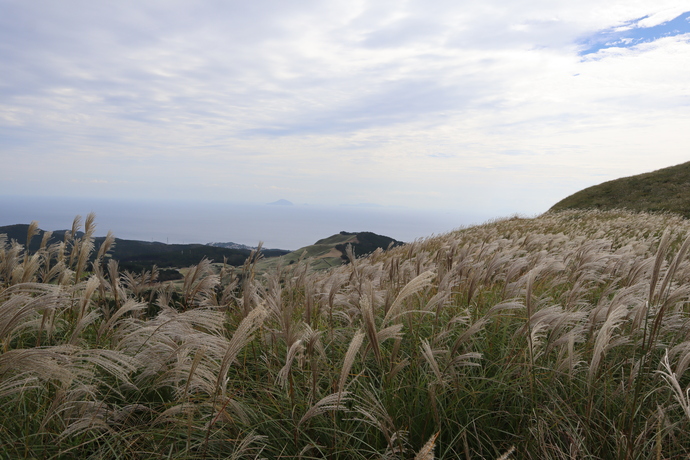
(665, 190)
(562, 336)
(136, 256)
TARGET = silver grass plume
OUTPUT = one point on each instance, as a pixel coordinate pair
(241, 336)
(246, 449)
(21, 303)
(199, 283)
(604, 336)
(84, 317)
(130, 305)
(410, 288)
(43, 363)
(682, 396)
(284, 373)
(370, 326)
(507, 454)
(10, 263)
(18, 384)
(479, 323)
(166, 342)
(325, 404)
(663, 300)
(427, 451)
(171, 414)
(30, 263)
(376, 415)
(106, 246)
(30, 233)
(682, 350)
(44, 240)
(675, 264)
(428, 355)
(49, 273)
(661, 252)
(349, 360)
(85, 245)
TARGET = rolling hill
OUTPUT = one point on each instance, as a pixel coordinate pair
(665, 190)
(331, 251)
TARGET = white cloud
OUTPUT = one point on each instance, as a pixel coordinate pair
(663, 15)
(415, 103)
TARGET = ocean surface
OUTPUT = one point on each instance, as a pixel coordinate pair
(282, 227)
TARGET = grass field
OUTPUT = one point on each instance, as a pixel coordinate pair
(565, 336)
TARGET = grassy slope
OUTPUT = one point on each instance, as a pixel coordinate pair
(331, 251)
(667, 190)
(546, 334)
(320, 254)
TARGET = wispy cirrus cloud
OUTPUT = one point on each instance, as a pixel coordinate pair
(634, 32)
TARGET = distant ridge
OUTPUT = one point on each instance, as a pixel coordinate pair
(664, 190)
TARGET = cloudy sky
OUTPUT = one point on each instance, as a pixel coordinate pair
(492, 105)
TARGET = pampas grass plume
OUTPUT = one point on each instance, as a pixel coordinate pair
(427, 451)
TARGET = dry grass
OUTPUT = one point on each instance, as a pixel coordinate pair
(562, 336)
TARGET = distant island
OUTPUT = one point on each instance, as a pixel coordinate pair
(281, 203)
(231, 245)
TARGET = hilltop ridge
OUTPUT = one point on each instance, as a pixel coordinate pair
(332, 251)
(663, 190)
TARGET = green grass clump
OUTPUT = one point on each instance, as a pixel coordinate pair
(562, 336)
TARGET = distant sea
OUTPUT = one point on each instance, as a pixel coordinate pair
(281, 227)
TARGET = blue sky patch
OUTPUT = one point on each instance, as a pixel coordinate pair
(631, 34)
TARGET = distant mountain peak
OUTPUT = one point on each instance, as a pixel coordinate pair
(281, 202)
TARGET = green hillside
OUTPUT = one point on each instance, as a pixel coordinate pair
(136, 256)
(665, 190)
(332, 251)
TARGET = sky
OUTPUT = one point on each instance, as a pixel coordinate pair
(491, 107)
